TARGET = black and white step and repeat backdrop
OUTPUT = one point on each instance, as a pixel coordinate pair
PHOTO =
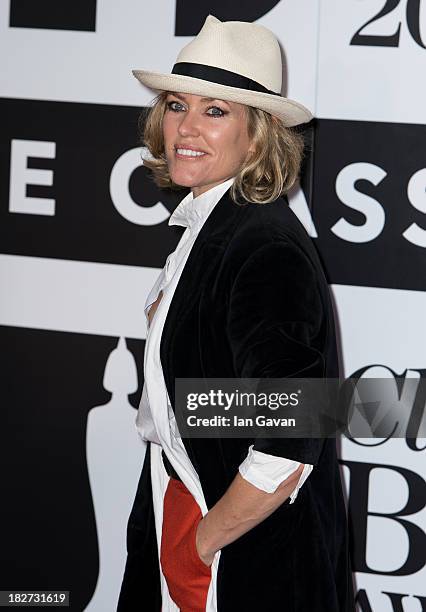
(84, 233)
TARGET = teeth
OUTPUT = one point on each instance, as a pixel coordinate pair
(189, 152)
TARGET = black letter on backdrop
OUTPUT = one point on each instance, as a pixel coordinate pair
(359, 513)
(53, 15)
(191, 14)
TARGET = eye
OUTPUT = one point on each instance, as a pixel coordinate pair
(169, 105)
(219, 109)
(176, 110)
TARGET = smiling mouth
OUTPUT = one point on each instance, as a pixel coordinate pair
(188, 154)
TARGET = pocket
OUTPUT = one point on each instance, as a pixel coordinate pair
(193, 546)
(179, 557)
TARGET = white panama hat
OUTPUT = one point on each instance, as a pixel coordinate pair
(236, 61)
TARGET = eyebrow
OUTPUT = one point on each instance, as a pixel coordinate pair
(182, 97)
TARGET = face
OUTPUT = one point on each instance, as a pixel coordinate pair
(216, 128)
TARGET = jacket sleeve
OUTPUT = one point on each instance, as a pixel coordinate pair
(275, 312)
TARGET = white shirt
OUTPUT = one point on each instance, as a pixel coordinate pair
(261, 469)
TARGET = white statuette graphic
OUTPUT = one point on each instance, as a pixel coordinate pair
(114, 460)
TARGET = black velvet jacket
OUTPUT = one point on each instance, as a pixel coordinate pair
(253, 301)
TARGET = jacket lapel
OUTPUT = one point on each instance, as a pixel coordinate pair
(215, 232)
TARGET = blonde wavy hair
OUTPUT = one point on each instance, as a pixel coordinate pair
(266, 174)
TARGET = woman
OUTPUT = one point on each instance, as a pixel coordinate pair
(233, 524)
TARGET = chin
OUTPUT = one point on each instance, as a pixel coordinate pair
(183, 180)
(182, 183)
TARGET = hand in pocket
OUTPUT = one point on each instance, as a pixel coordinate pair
(206, 560)
(187, 576)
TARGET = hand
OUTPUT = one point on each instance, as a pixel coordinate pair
(205, 556)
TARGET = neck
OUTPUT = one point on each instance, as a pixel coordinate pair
(199, 190)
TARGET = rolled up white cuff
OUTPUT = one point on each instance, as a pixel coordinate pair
(267, 472)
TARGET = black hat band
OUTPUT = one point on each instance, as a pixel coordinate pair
(220, 76)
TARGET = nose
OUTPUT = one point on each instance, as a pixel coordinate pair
(188, 125)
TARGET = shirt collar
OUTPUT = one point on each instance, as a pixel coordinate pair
(191, 212)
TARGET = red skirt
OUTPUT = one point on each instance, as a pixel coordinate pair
(187, 576)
